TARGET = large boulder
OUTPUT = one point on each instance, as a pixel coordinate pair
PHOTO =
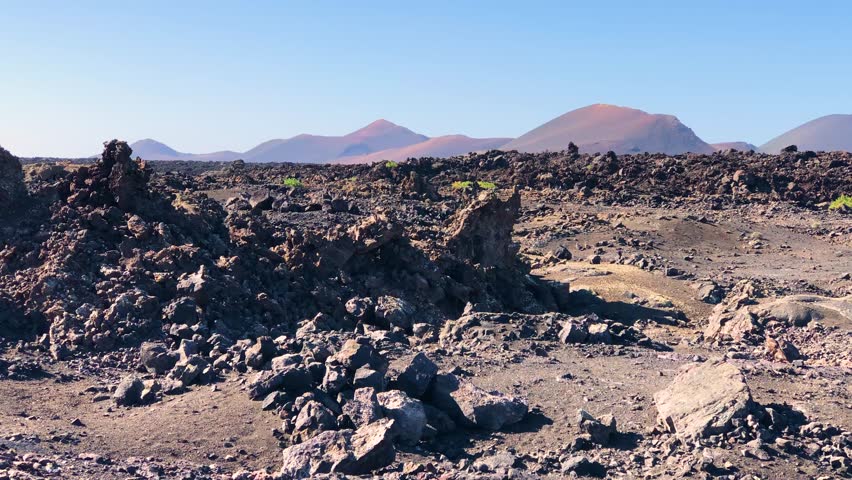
(128, 392)
(733, 318)
(408, 414)
(292, 378)
(364, 407)
(313, 418)
(481, 233)
(354, 355)
(12, 187)
(412, 374)
(703, 399)
(345, 452)
(472, 406)
(599, 431)
(156, 358)
(394, 312)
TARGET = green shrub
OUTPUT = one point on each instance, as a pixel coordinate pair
(467, 184)
(843, 201)
(293, 182)
(391, 164)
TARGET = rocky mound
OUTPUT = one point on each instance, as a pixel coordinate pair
(11, 179)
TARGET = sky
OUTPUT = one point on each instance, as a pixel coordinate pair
(208, 76)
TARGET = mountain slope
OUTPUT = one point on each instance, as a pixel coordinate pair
(379, 135)
(149, 149)
(608, 127)
(740, 146)
(445, 146)
(828, 133)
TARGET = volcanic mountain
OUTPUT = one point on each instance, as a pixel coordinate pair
(828, 133)
(380, 140)
(445, 146)
(149, 149)
(379, 135)
(600, 127)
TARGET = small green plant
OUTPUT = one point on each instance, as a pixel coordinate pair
(461, 185)
(391, 164)
(293, 182)
(843, 201)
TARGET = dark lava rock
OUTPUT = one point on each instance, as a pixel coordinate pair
(129, 392)
(344, 452)
(156, 358)
(12, 188)
(472, 406)
(412, 374)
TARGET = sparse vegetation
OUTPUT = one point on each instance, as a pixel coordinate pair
(841, 202)
(391, 164)
(293, 182)
(461, 185)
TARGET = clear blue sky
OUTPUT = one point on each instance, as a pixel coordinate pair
(205, 76)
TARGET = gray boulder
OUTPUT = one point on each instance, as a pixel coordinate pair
(354, 355)
(346, 452)
(128, 392)
(156, 358)
(472, 406)
(598, 431)
(703, 399)
(313, 419)
(408, 414)
(412, 374)
(367, 377)
(294, 379)
(394, 312)
(572, 333)
(364, 407)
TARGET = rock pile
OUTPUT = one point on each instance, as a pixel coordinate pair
(710, 404)
(345, 415)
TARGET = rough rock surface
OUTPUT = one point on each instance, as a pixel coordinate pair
(12, 187)
(703, 400)
(471, 405)
(345, 452)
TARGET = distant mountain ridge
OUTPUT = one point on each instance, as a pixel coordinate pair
(377, 136)
(149, 149)
(380, 140)
(741, 146)
(445, 146)
(595, 128)
(828, 133)
(602, 127)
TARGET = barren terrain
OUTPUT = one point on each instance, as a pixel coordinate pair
(557, 315)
